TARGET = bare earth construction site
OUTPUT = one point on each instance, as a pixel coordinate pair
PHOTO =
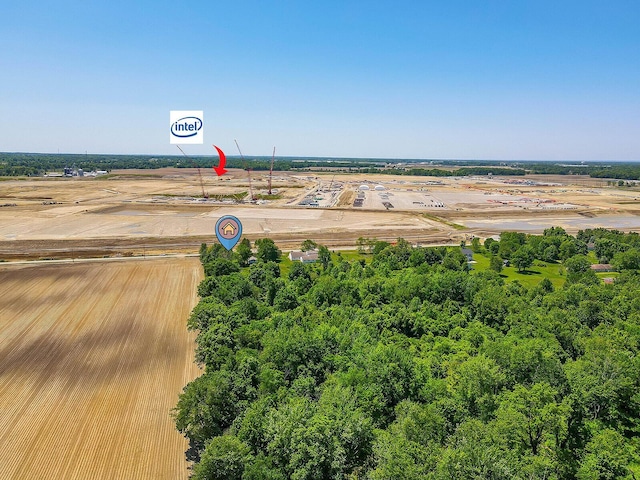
(94, 353)
(162, 211)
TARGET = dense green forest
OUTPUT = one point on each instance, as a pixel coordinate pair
(35, 164)
(27, 164)
(405, 364)
(32, 164)
(439, 172)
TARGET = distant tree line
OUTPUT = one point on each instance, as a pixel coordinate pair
(624, 171)
(34, 164)
(31, 164)
(438, 172)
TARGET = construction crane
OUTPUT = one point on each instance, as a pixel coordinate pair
(273, 156)
(204, 194)
(248, 169)
(251, 196)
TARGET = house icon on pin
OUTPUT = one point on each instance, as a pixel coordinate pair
(229, 230)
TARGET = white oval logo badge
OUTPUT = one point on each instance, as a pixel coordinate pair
(186, 126)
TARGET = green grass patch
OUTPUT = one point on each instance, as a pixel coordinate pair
(229, 196)
(592, 257)
(443, 221)
(266, 196)
(555, 272)
(351, 255)
(602, 275)
(285, 264)
(218, 197)
(9, 179)
(135, 175)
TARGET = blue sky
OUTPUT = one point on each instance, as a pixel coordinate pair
(540, 79)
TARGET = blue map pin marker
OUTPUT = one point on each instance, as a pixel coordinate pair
(228, 231)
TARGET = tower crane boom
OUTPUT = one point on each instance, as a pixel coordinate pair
(273, 156)
(204, 194)
(248, 169)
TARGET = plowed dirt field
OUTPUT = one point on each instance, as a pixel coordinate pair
(92, 358)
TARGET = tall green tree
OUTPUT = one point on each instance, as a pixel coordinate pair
(267, 250)
(532, 418)
(224, 458)
(308, 245)
(609, 456)
(324, 256)
(522, 258)
(496, 263)
(244, 250)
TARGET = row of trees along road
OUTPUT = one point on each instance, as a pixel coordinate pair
(408, 366)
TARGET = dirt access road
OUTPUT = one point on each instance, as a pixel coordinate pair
(92, 358)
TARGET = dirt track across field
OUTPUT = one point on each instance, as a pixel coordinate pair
(92, 358)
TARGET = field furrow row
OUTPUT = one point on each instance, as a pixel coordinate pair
(92, 358)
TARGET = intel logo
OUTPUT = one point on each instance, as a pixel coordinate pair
(186, 127)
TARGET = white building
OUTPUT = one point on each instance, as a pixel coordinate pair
(305, 257)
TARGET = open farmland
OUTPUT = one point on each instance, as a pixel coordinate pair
(92, 358)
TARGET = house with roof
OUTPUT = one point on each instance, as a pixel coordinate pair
(602, 267)
(310, 256)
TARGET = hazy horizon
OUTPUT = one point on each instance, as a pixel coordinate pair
(327, 158)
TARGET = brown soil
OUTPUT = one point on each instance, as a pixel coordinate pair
(92, 358)
(144, 212)
(346, 198)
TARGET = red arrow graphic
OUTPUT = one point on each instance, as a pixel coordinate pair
(220, 170)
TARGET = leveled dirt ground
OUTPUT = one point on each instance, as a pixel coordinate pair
(139, 212)
(92, 358)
